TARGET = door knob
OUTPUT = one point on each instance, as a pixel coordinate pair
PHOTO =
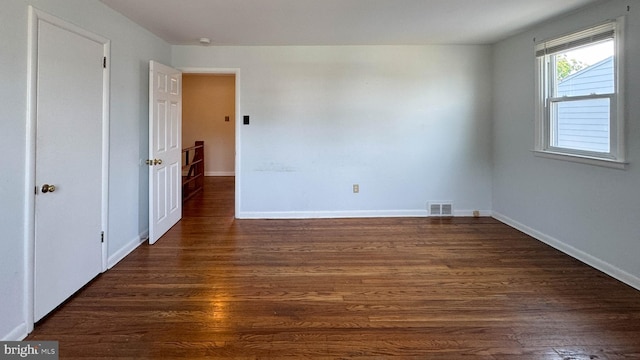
(48, 188)
(157, 161)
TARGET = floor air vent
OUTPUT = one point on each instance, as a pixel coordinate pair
(441, 209)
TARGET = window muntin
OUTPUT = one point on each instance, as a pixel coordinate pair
(578, 94)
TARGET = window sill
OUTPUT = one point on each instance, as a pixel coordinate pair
(582, 159)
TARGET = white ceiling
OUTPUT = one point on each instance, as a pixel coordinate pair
(340, 22)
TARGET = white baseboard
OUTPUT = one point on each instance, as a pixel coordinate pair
(330, 214)
(586, 258)
(469, 213)
(219, 173)
(347, 214)
(127, 249)
(17, 334)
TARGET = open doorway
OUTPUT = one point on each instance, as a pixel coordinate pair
(208, 114)
(233, 123)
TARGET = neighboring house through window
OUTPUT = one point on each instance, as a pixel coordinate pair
(585, 124)
(579, 99)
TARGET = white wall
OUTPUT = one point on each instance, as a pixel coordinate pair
(591, 212)
(131, 49)
(409, 124)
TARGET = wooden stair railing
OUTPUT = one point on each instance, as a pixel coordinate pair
(193, 165)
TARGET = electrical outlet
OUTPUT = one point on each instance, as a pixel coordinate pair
(356, 188)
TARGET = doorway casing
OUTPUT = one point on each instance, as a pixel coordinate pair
(236, 72)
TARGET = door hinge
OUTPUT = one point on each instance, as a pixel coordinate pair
(102, 237)
(104, 62)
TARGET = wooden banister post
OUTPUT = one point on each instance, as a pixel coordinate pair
(200, 152)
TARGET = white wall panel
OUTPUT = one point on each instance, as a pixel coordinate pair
(589, 211)
(409, 124)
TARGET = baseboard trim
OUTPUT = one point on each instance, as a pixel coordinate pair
(330, 214)
(469, 213)
(347, 214)
(578, 254)
(126, 249)
(219, 173)
(17, 334)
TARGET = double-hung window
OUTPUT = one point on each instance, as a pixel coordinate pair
(579, 96)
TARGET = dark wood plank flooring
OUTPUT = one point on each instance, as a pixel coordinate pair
(410, 288)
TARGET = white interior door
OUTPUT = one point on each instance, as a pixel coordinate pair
(165, 149)
(68, 163)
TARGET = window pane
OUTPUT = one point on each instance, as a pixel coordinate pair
(581, 125)
(584, 71)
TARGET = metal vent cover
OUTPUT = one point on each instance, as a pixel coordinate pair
(440, 209)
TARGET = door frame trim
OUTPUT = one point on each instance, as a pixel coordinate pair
(34, 16)
(238, 148)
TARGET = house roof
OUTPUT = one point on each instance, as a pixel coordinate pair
(589, 69)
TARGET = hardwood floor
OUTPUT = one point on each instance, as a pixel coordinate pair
(409, 288)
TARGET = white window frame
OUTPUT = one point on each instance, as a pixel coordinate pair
(615, 158)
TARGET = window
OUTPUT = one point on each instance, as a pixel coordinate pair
(579, 96)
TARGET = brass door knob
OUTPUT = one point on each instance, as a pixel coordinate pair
(48, 188)
(157, 162)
